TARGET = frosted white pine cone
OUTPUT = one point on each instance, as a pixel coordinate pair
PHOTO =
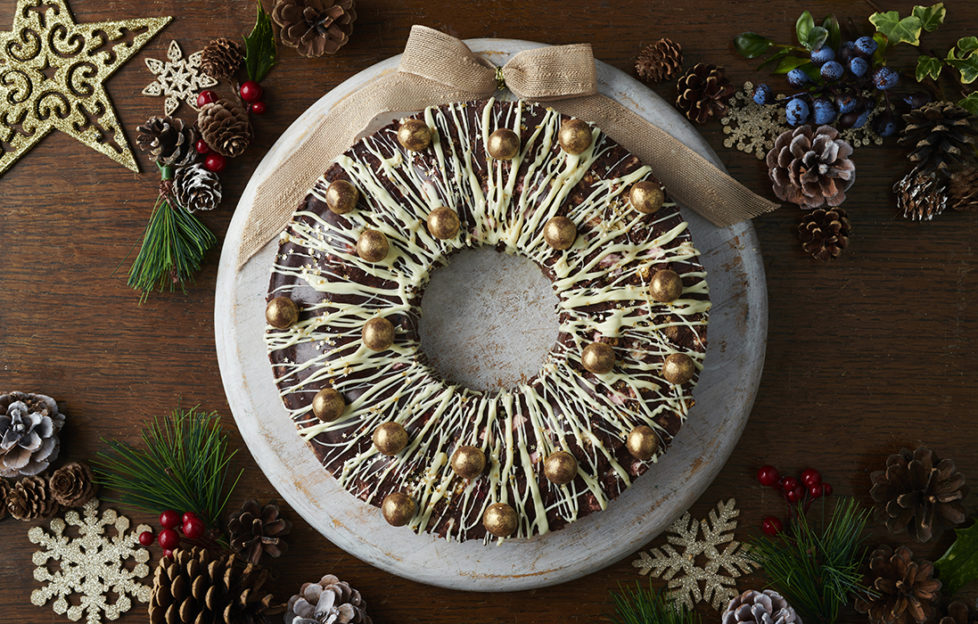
(759, 607)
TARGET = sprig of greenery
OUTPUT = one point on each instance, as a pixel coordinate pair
(959, 565)
(260, 52)
(647, 605)
(784, 58)
(183, 465)
(818, 569)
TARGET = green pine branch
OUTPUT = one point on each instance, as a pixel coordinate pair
(647, 605)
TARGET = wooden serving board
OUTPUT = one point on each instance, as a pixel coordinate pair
(724, 395)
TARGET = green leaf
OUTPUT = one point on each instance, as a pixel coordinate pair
(831, 24)
(804, 26)
(751, 45)
(260, 47)
(788, 63)
(967, 44)
(959, 565)
(967, 67)
(928, 67)
(817, 37)
(896, 30)
(774, 58)
(970, 103)
(930, 17)
(880, 54)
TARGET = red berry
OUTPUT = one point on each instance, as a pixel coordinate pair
(193, 528)
(250, 91)
(815, 490)
(167, 552)
(258, 108)
(794, 495)
(205, 97)
(169, 539)
(201, 146)
(811, 477)
(826, 489)
(789, 484)
(771, 526)
(187, 515)
(767, 475)
(169, 519)
(146, 538)
(215, 162)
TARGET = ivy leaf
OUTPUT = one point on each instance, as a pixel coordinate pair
(831, 24)
(967, 67)
(804, 26)
(260, 47)
(959, 565)
(967, 44)
(928, 67)
(930, 17)
(970, 103)
(751, 45)
(896, 30)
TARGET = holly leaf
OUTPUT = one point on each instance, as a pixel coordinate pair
(896, 30)
(751, 45)
(928, 67)
(260, 47)
(970, 103)
(804, 26)
(831, 24)
(959, 565)
(930, 17)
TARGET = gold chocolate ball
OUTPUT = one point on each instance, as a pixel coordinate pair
(560, 233)
(341, 196)
(398, 508)
(646, 197)
(574, 136)
(678, 368)
(328, 405)
(377, 334)
(414, 134)
(503, 144)
(443, 223)
(666, 286)
(390, 438)
(560, 467)
(500, 520)
(598, 357)
(468, 462)
(642, 442)
(372, 246)
(281, 313)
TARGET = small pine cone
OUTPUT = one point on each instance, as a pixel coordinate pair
(811, 167)
(904, 588)
(255, 531)
(702, 92)
(659, 61)
(315, 27)
(30, 425)
(72, 485)
(221, 58)
(917, 490)
(225, 127)
(168, 140)
(963, 189)
(941, 137)
(328, 601)
(824, 234)
(921, 195)
(759, 607)
(197, 188)
(30, 499)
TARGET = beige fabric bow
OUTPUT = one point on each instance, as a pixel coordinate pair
(437, 68)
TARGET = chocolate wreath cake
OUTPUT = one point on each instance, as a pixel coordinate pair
(344, 309)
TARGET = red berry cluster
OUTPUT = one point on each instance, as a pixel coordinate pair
(173, 523)
(804, 489)
(251, 93)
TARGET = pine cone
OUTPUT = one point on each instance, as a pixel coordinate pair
(702, 92)
(941, 136)
(197, 188)
(811, 167)
(759, 607)
(963, 189)
(957, 612)
(256, 530)
(72, 485)
(315, 27)
(659, 61)
(29, 428)
(225, 127)
(328, 601)
(5, 488)
(905, 589)
(30, 499)
(221, 58)
(195, 586)
(824, 234)
(918, 489)
(921, 195)
(168, 140)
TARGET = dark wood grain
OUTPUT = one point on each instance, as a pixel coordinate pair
(875, 351)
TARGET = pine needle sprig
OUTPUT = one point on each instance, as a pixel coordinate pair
(647, 605)
(183, 465)
(817, 569)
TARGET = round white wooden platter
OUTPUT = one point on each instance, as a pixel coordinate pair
(724, 395)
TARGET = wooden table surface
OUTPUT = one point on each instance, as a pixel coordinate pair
(865, 355)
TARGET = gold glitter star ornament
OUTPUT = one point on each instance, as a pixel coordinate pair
(178, 79)
(52, 75)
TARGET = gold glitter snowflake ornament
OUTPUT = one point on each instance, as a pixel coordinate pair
(700, 561)
(178, 78)
(91, 565)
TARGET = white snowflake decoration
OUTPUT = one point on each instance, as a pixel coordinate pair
(179, 79)
(90, 565)
(700, 560)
